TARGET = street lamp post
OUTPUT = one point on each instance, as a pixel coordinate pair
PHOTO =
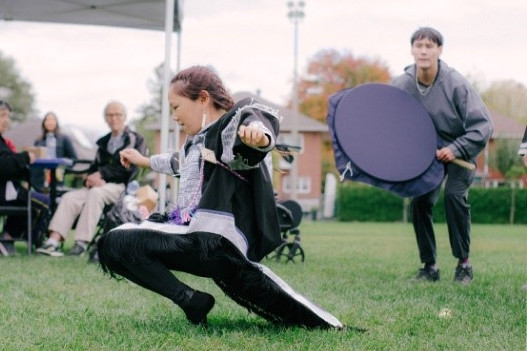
(295, 14)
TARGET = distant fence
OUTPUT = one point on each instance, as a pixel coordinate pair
(357, 202)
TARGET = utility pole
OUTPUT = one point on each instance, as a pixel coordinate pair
(295, 14)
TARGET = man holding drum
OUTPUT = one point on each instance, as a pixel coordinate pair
(463, 125)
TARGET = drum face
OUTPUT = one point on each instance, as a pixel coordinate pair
(385, 132)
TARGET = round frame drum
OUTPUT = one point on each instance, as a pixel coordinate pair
(385, 132)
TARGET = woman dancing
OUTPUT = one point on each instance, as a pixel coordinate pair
(225, 219)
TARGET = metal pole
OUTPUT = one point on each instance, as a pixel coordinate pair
(175, 181)
(295, 14)
(165, 115)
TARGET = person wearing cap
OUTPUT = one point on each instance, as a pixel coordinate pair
(15, 166)
(105, 182)
(464, 127)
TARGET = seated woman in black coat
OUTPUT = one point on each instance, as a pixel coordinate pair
(15, 167)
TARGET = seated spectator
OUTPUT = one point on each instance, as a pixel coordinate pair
(15, 167)
(57, 145)
(105, 182)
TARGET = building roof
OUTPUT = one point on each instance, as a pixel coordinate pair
(26, 133)
(505, 127)
(305, 123)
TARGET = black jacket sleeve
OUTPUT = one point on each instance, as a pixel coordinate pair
(15, 166)
(109, 165)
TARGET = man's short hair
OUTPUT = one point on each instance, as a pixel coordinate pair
(429, 33)
(5, 106)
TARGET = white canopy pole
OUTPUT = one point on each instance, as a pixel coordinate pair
(165, 115)
(174, 189)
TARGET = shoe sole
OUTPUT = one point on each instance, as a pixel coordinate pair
(50, 253)
(75, 255)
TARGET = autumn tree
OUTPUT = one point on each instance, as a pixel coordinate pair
(328, 72)
(16, 90)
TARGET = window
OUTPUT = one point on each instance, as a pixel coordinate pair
(303, 185)
(287, 138)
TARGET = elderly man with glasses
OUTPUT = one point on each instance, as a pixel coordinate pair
(105, 182)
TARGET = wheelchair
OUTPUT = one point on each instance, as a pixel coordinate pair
(289, 218)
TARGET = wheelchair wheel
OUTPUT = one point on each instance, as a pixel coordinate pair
(274, 255)
(290, 252)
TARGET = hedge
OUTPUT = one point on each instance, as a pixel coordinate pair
(357, 202)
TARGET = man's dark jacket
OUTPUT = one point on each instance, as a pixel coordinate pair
(109, 165)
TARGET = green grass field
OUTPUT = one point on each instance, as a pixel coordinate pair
(360, 272)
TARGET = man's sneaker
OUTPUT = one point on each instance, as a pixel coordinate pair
(50, 250)
(464, 274)
(429, 274)
(77, 250)
(93, 256)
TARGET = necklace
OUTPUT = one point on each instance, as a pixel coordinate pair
(423, 89)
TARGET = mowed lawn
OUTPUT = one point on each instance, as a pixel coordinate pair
(361, 272)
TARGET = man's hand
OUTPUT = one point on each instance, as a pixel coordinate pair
(445, 155)
(94, 179)
(252, 136)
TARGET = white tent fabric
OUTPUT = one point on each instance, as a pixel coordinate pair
(147, 14)
(140, 14)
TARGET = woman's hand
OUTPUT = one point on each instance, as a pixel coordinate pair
(133, 157)
(32, 157)
(252, 136)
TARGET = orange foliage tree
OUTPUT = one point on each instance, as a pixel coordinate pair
(328, 72)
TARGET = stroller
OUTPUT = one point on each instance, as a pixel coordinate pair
(289, 218)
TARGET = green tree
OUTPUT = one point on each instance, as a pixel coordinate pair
(16, 90)
(151, 111)
(505, 158)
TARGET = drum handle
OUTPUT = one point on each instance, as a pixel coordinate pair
(464, 164)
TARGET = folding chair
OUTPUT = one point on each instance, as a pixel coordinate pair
(7, 246)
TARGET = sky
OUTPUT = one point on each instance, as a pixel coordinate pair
(75, 70)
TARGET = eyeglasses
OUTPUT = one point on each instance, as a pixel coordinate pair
(5, 105)
(116, 115)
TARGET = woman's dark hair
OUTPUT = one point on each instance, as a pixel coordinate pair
(44, 131)
(5, 106)
(197, 78)
(429, 33)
